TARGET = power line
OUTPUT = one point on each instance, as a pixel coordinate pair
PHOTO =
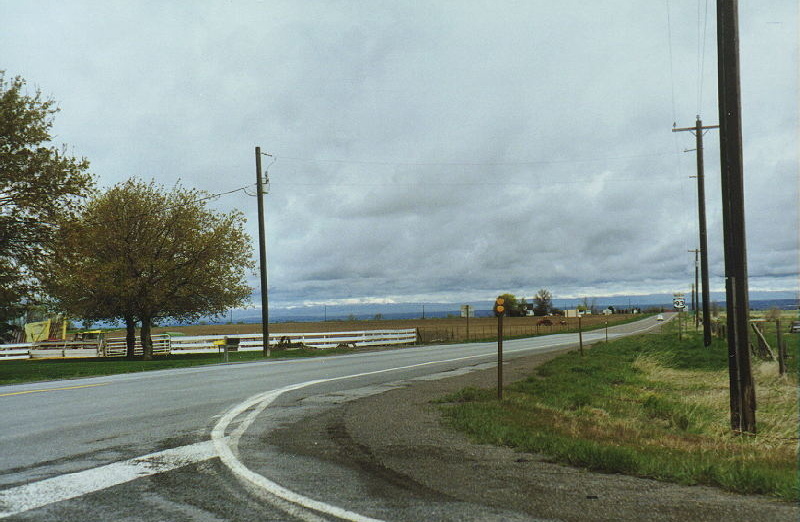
(703, 61)
(671, 67)
(471, 163)
(171, 207)
(538, 183)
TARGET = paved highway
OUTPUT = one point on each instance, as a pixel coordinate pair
(165, 445)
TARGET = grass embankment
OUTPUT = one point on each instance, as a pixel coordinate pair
(649, 406)
(19, 371)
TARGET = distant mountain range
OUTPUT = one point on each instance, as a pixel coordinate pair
(758, 301)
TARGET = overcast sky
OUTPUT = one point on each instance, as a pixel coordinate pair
(441, 151)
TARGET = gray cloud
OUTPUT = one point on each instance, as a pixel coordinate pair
(435, 152)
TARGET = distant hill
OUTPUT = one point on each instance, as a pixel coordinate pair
(434, 310)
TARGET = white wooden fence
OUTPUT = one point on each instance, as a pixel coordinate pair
(118, 346)
(254, 342)
(165, 344)
(15, 351)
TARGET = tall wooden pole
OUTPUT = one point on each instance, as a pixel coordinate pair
(262, 250)
(743, 406)
(701, 214)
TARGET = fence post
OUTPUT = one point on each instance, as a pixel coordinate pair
(781, 348)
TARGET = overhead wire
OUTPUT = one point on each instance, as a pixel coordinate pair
(206, 197)
(471, 163)
(702, 62)
(671, 66)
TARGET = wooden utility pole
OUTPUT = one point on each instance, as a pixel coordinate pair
(262, 250)
(696, 289)
(701, 213)
(743, 397)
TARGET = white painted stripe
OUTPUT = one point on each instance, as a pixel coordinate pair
(64, 487)
(225, 446)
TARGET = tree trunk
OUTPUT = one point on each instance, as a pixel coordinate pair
(147, 342)
(130, 337)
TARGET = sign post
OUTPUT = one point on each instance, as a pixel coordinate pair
(679, 303)
(499, 311)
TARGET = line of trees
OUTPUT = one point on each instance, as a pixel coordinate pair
(136, 252)
(518, 307)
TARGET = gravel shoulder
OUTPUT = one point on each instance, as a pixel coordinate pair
(397, 441)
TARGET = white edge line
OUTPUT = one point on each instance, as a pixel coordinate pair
(72, 485)
(225, 445)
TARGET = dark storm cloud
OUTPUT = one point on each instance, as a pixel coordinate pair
(443, 151)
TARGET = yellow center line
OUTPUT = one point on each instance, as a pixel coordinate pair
(54, 389)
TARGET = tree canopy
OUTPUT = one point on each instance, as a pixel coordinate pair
(141, 253)
(514, 307)
(39, 183)
(543, 302)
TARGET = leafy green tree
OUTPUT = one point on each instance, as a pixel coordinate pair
(543, 302)
(39, 182)
(141, 254)
(514, 307)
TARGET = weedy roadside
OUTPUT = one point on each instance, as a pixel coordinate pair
(652, 406)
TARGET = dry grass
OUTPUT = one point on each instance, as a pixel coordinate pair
(651, 406)
(442, 329)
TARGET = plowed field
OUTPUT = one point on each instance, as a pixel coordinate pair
(430, 330)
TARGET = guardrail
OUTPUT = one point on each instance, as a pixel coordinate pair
(164, 344)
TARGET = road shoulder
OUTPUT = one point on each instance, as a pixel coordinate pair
(398, 437)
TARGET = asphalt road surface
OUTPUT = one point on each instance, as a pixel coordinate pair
(193, 444)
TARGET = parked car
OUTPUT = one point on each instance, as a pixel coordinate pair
(795, 328)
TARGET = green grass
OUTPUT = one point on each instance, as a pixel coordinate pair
(592, 328)
(649, 406)
(31, 370)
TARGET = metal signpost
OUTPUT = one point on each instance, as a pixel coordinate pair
(499, 311)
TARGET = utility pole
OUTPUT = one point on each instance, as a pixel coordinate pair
(701, 212)
(262, 250)
(696, 289)
(743, 397)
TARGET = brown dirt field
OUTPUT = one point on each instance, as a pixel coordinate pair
(444, 329)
